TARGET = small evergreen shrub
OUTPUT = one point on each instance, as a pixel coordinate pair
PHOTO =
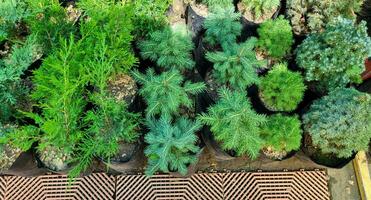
(218, 3)
(309, 16)
(149, 16)
(237, 66)
(336, 56)
(234, 123)
(167, 92)
(339, 123)
(222, 27)
(171, 145)
(282, 89)
(282, 133)
(13, 12)
(275, 37)
(259, 7)
(170, 48)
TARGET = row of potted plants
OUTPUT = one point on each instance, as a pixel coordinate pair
(69, 90)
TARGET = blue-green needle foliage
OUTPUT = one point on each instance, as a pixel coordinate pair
(170, 48)
(282, 133)
(12, 12)
(335, 57)
(167, 92)
(237, 66)
(171, 145)
(222, 27)
(234, 123)
(340, 122)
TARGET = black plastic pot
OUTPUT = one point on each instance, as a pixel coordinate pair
(214, 147)
(25, 165)
(192, 168)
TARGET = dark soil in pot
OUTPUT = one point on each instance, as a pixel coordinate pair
(327, 160)
(8, 156)
(215, 147)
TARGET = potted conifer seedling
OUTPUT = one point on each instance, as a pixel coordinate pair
(337, 126)
(234, 124)
(235, 68)
(281, 89)
(282, 136)
(257, 11)
(172, 145)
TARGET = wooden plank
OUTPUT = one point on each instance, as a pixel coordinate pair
(363, 175)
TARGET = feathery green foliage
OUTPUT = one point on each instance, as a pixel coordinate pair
(309, 16)
(112, 22)
(236, 67)
(149, 16)
(282, 133)
(282, 89)
(48, 21)
(340, 122)
(12, 68)
(259, 7)
(336, 56)
(58, 92)
(222, 27)
(275, 37)
(12, 12)
(212, 4)
(234, 123)
(167, 92)
(171, 145)
(170, 48)
(18, 137)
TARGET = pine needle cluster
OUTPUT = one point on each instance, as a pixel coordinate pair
(282, 133)
(171, 145)
(170, 48)
(282, 89)
(237, 66)
(234, 123)
(339, 123)
(167, 92)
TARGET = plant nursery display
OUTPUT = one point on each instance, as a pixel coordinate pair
(235, 124)
(322, 55)
(281, 89)
(147, 87)
(339, 123)
(312, 16)
(282, 134)
(275, 38)
(258, 10)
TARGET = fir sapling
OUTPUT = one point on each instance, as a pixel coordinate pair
(275, 37)
(323, 58)
(222, 27)
(235, 124)
(237, 66)
(171, 145)
(339, 124)
(281, 135)
(170, 48)
(282, 89)
(167, 92)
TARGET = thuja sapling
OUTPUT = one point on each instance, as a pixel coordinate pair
(235, 124)
(258, 10)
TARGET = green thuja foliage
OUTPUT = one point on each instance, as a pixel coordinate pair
(114, 20)
(18, 137)
(336, 56)
(167, 92)
(275, 37)
(12, 67)
(234, 123)
(170, 48)
(58, 91)
(260, 7)
(212, 4)
(340, 122)
(282, 133)
(282, 89)
(109, 122)
(48, 21)
(13, 12)
(312, 16)
(171, 145)
(222, 27)
(236, 67)
(149, 16)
